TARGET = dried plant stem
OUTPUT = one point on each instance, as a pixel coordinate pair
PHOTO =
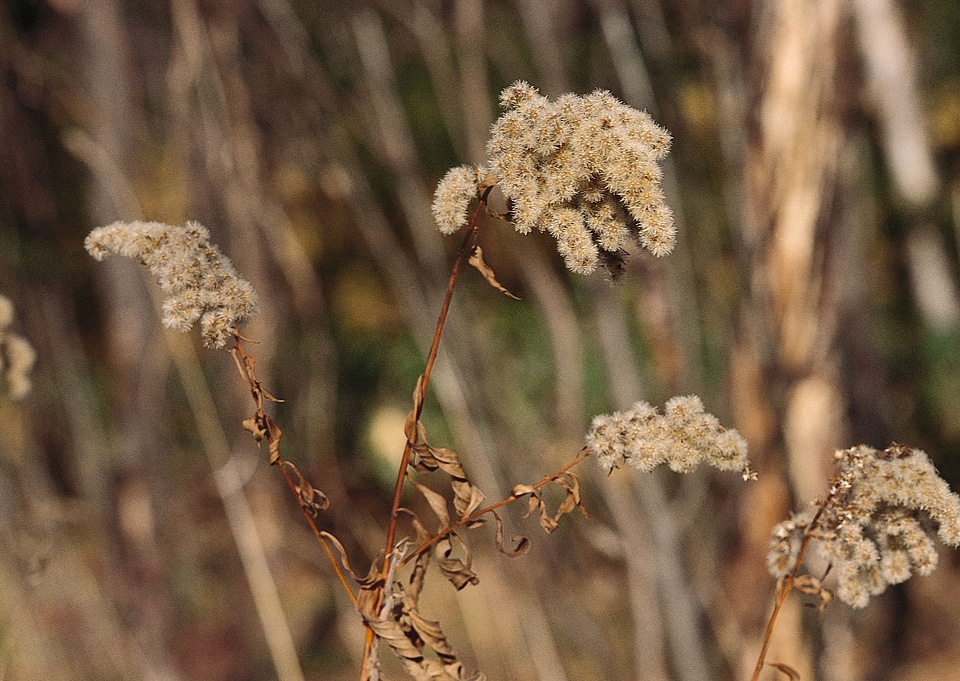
(271, 434)
(466, 248)
(467, 520)
(782, 593)
(262, 585)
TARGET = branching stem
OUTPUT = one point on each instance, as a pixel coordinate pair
(467, 520)
(782, 594)
(466, 248)
(272, 436)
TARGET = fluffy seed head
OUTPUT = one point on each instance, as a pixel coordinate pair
(593, 155)
(200, 281)
(683, 437)
(878, 523)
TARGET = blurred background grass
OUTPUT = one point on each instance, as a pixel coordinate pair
(812, 303)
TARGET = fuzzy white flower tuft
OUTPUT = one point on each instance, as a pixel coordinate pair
(585, 169)
(201, 282)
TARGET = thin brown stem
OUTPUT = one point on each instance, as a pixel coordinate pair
(466, 248)
(467, 520)
(782, 596)
(271, 434)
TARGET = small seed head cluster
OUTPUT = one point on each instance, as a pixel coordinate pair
(878, 523)
(682, 437)
(583, 169)
(201, 282)
(16, 355)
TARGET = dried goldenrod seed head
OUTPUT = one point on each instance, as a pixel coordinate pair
(683, 437)
(453, 196)
(592, 155)
(200, 281)
(16, 355)
(878, 523)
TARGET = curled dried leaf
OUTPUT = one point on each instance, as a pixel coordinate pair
(431, 633)
(273, 436)
(344, 561)
(476, 259)
(519, 490)
(572, 500)
(523, 544)
(467, 499)
(791, 673)
(489, 180)
(407, 650)
(437, 503)
(254, 426)
(311, 499)
(536, 503)
(810, 585)
(458, 572)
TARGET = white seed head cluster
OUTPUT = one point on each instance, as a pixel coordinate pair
(682, 437)
(585, 169)
(453, 196)
(200, 281)
(16, 355)
(877, 524)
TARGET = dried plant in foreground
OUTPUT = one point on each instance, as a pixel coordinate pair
(876, 526)
(585, 170)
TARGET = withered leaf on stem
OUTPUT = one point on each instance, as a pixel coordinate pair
(476, 259)
(519, 490)
(311, 499)
(433, 636)
(345, 562)
(523, 544)
(255, 427)
(274, 433)
(410, 654)
(467, 499)
(791, 673)
(810, 585)
(457, 571)
(437, 503)
(419, 573)
(572, 501)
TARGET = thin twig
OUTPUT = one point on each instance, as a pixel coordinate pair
(782, 596)
(466, 520)
(245, 366)
(469, 241)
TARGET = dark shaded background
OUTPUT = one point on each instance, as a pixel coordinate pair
(812, 303)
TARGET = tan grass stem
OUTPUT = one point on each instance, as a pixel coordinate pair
(782, 594)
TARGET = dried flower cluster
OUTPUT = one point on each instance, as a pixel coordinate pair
(201, 282)
(878, 523)
(16, 355)
(583, 169)
(682, 437)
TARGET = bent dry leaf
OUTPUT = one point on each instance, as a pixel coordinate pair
(311, 499)
(791, 673)
(345, 562)
(476, 259)
(458, 572)
(273, 439)
(437, 503)
(523, 544)
(810, 585)
(431, 633)
(572, 500)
